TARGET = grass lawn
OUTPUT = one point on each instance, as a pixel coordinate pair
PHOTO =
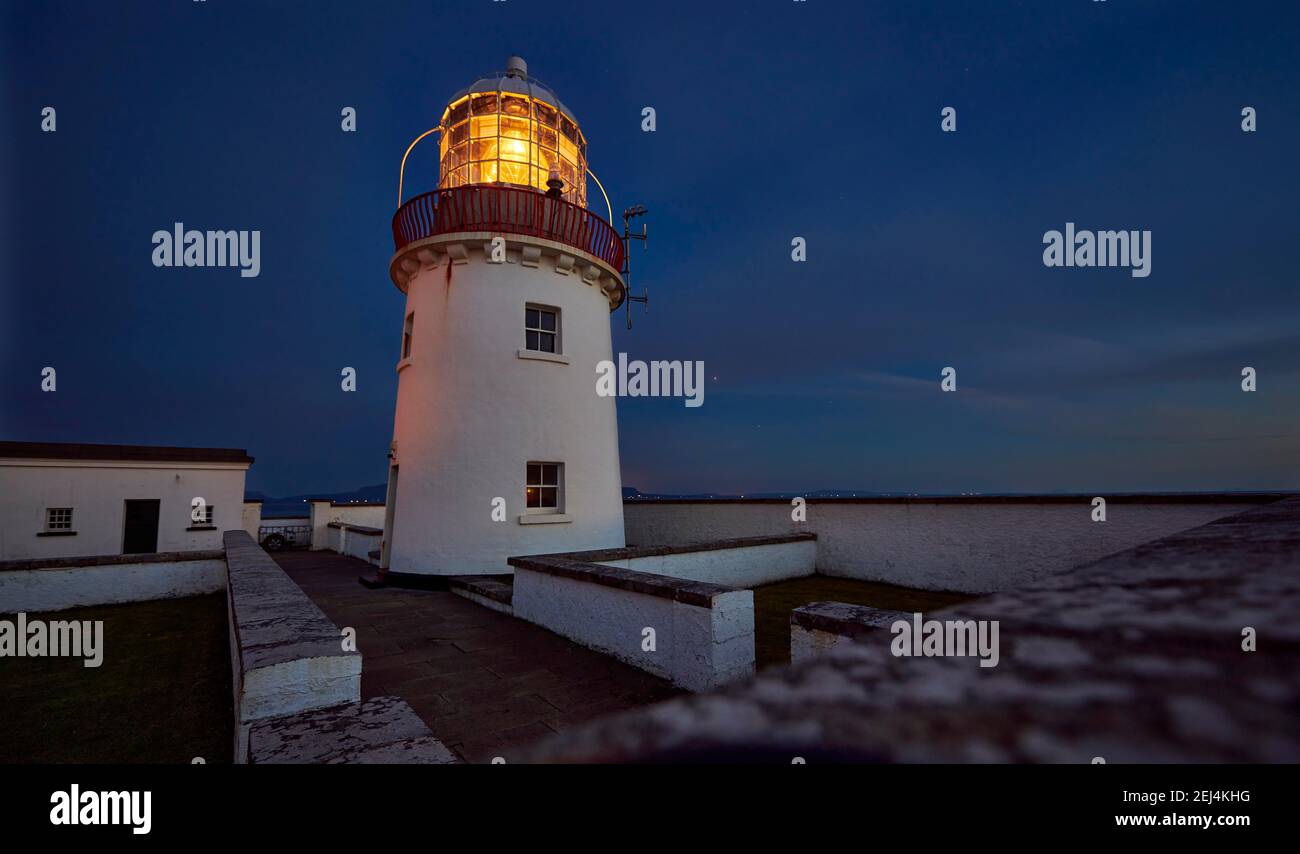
(162, 694)
(774, 602)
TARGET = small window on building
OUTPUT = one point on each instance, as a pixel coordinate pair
(542, 329)
(58, 519)
(544, 491)
(407, 329)
(201, 517)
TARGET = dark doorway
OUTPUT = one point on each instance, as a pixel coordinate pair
(140, 535)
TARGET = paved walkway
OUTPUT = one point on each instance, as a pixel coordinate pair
(485, 683)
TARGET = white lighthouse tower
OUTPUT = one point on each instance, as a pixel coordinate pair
(501, 445)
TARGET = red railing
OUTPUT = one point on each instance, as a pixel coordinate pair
(506, 209)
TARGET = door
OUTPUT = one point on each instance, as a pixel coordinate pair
(140, 534)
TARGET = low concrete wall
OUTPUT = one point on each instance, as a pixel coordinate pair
(820, 627)
(252, 517)
(975, 544)
(323, 513)
(354, 540)
(743, 563)
(703, 634)
(286, 656)
(55, 584)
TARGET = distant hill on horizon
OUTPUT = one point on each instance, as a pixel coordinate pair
(296, 505)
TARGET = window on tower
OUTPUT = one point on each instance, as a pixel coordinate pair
(544, 488)
(407, 329)
(542, 329)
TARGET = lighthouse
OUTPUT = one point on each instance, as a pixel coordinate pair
(501, 445)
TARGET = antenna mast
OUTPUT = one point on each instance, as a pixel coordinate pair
(630, 214)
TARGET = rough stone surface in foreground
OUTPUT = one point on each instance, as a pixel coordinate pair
(380, 730)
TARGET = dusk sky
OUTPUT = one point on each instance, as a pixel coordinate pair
(775, 119)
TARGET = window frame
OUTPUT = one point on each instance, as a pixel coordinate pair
(541, 330)
(209, 520)
(540, 509)
(62, 526)
(408, 336)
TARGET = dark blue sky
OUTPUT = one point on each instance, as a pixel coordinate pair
(775, 119)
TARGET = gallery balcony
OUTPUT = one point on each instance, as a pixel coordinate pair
(507, 210)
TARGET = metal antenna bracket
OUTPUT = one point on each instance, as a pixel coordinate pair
(628, 236)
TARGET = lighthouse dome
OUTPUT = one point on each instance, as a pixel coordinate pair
(508, 129)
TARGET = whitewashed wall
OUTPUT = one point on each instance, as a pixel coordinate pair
(97, 492)
(361, 544)
(353, 543)
(744, 567)
(967, 547)
(80, 586)
(323, 512)
(252, 518)
(695, 647)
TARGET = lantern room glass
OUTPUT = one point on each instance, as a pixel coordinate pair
(512, 139)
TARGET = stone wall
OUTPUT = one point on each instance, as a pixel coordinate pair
(974, 544)
(325, 513)
(53, 584)
(819, 627)
(690, 600)
(286, 656)
(297, 689)
(743, 563)
(251, 521)
(702, 634)
(357, 541)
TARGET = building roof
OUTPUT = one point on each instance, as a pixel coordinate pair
(142, 453)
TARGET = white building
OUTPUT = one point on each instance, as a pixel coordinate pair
(71, 500)
(501, 445)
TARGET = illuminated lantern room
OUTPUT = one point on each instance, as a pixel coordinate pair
(509, 130)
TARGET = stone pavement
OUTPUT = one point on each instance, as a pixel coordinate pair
(486, 683)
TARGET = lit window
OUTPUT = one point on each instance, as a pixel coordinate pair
(542, 329)
(542, 493)
(407, 329)
(58, 518)
(201, 516)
